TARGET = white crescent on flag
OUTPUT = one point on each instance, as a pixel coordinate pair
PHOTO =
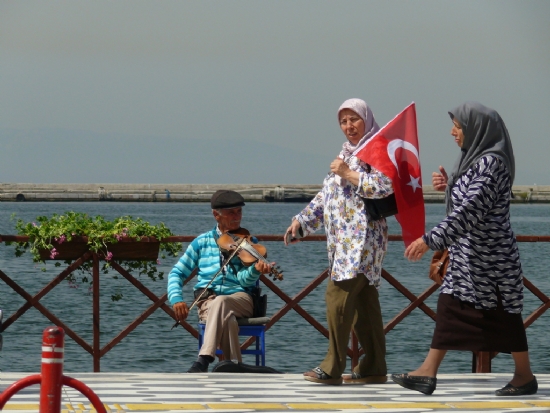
(395, 144)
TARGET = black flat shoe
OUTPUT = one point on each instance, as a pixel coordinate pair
(197, 367)
(423, 384)
(525, 390)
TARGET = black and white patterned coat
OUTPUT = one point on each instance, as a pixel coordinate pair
(482, 246)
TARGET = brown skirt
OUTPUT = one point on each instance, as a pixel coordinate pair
(460, 326)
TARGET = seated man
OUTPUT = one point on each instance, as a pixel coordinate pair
(226, 297)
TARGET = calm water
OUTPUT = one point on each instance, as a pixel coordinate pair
(292, 344)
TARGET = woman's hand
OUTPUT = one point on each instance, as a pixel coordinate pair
(416, 250)
(340, 168)
(439, 180)
(181, 311)
(291, 232)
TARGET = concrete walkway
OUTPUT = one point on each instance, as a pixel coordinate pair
(230, 392)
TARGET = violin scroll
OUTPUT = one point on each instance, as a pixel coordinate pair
(276, 273)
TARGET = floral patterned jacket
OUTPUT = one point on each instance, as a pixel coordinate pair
(355, 245)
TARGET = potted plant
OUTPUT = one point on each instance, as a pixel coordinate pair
(69, 236)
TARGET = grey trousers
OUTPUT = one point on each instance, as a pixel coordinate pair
(220, 314)
(354, 304)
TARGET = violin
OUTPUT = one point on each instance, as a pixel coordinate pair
(249, 252)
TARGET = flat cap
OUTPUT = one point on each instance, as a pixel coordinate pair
(224, 198)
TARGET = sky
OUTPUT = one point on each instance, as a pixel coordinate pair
(246, 92)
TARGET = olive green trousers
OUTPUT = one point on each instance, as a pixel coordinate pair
(354, 304)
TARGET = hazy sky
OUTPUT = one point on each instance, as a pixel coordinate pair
(247, 91)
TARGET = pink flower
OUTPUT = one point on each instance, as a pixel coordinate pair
(34, 224)
(53, 253)
(124, 230)
(118, 237)
(109, 256)
(61, 239)
(158, 261)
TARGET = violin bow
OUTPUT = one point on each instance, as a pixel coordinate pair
(224, 263)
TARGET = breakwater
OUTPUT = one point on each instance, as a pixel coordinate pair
(202, 192)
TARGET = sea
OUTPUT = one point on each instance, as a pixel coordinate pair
(293, 345)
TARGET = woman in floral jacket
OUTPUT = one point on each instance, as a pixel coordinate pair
(356, 248)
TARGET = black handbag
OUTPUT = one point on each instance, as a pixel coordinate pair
(380, 208)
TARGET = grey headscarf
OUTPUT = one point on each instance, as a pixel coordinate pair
(360, 107)
(484, 133)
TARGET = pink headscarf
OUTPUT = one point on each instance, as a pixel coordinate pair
(360, 107)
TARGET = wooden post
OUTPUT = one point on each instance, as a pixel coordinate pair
(481, 362)
(96, 328)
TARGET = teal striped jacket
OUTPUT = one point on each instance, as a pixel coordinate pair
(203, 253)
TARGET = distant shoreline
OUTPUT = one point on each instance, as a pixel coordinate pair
(202, 192)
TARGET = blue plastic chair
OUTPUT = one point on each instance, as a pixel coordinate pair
(250, 327)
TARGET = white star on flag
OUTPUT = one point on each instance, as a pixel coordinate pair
(414, 183)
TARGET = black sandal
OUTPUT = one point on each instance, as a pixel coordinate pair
(317, 375)
(356, 378)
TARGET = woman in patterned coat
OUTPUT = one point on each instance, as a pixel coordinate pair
(356, 247)
(481, 298)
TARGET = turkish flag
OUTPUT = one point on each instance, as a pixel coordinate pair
(394, 151)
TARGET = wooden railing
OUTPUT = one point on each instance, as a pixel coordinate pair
(481, 360)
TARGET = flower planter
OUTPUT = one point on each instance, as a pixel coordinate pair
(127, 249)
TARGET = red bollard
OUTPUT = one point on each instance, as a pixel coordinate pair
(53, 340)
(51, 379)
